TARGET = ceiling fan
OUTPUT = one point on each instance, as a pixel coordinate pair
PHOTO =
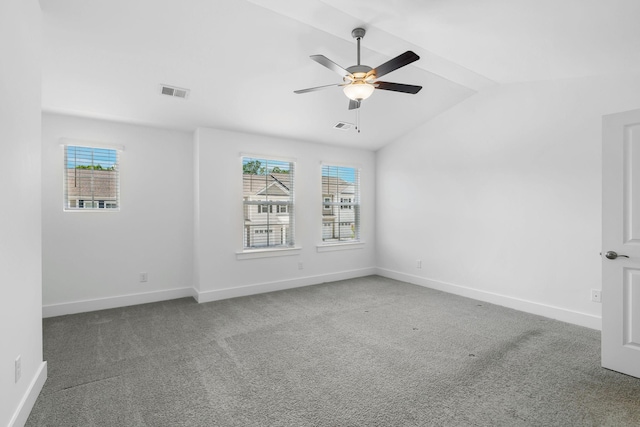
(359, 81)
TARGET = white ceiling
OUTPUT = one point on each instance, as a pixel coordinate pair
(242, 59)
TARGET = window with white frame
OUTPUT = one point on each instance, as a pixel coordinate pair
(91, 178)
(268, 203)
(340, 204)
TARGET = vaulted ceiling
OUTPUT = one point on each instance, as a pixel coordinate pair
(242, 59)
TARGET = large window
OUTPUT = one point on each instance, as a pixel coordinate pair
(91, 178)
(268, 203)
(340, 204)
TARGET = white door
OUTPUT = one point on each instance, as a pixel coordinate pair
(621, 242)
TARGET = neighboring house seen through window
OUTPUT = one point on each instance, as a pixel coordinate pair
(340, 204)
(91, 178)
(268, 203)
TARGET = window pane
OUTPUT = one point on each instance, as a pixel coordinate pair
(268, 203)
(340, 204)
(91, 178)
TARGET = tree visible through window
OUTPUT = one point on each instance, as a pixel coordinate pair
(340, 204)
(91, 178)
(268, 203)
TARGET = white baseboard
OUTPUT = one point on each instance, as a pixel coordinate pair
(74, 307)
(29, 399)
(260, 288)
(557, 313)
(553, 312)
(114, 302)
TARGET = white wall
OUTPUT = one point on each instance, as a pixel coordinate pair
(92, 260)
(20, 242)
(220, 217)
(500, 196)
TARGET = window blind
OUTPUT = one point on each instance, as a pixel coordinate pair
(91, 180)
(340, 204)
(268, 198)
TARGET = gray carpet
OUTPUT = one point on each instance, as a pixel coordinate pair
(361, 352)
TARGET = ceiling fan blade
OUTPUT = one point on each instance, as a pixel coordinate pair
(313, 89)
(353, 104)
(393, 64)
(398, 87)
(323, 60)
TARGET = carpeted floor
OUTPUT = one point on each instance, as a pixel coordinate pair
(362, 352)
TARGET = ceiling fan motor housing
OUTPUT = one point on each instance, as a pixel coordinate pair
(359, 69)
(358, 73)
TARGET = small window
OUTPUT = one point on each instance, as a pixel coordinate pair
(268, 203)
(340, 204)
(265, 209)
(327, 206)
(91, 178)
(262, 231)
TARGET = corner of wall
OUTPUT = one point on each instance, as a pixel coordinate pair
(29, 399)
(196, 212)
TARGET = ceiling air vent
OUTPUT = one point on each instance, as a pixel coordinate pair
(343, 126)
(177, 92)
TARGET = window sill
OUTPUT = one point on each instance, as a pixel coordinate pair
(267, 253)
(330, 247)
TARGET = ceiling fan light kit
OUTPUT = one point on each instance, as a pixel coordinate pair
(360, 81)
(358, 90)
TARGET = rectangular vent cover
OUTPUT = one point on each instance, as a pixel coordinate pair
(174, 91)
(343, 126)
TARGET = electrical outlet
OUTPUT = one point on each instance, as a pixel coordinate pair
(18, 368)
(300, 266)
(419, 263)
(596, 295)
(143, 277)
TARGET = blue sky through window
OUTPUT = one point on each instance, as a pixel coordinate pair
(344, 173)
(89, 156)
(261, 166)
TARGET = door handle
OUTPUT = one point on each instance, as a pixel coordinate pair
(614, 255)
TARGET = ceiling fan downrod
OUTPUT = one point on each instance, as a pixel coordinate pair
(358, 34)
